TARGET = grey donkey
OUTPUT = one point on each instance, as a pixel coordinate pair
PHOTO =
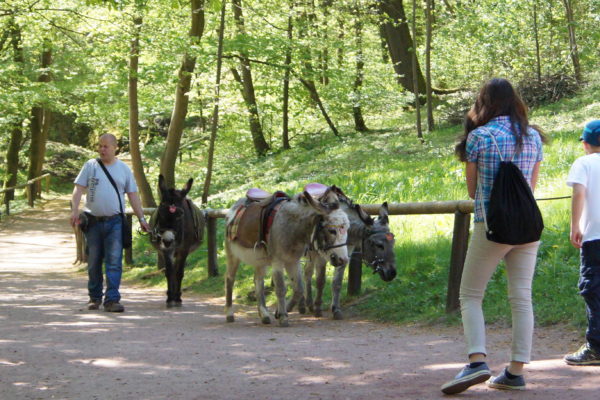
(295, 224)
(370, 236)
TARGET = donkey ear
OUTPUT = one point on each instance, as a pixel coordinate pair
(366, 218)
(187, 187)
(329, 197)
(383, 214)
(317, 206)
(162, 187)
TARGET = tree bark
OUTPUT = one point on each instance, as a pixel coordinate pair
(573, 41)
(40, 124)
(399, 43)
(414, 67)
(134, 135)
(16, 133)
(248, 93)
(215, 117)
(308, 81)
(429, 22)
(538, 63)
(169, 157)
(285, 131)
(359, 121)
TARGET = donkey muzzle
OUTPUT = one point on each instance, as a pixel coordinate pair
(337, 261)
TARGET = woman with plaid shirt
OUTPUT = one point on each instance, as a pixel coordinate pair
(498, 112)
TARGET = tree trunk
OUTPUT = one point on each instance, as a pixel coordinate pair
(40, 125)
(285, 132)
(169, 157)
(429, 22)
(308, 82)
(215, 117)
(134, 135)
(573, 41)
(400, 44)
(359, 121)
(538, 63)
(414, 67)
(258, 139)
(16, 133)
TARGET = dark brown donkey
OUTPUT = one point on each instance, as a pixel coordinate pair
(177, 230)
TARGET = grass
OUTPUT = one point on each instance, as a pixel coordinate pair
(390, 164)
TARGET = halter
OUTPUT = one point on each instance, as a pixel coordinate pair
(155, 236)
(376, 264)
(316, 243)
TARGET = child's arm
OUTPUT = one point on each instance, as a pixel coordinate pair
(577, 202)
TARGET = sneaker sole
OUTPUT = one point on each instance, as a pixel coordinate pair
(504, 387)
(466, 382)
(583, 363)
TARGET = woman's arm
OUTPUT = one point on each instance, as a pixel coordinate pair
(471, 173)
(534, 175)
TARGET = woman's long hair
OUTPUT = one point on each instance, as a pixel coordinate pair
(497, 97)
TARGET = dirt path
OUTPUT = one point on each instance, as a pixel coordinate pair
(52, 348)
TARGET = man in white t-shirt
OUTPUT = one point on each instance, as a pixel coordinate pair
(105, 223)
(584, 178)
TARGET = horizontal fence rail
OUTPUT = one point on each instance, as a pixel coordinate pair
(462, 210)
(30, 191)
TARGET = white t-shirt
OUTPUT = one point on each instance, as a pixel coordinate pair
(586, 171)
(101, 198)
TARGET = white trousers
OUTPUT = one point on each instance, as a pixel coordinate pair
(482, 259)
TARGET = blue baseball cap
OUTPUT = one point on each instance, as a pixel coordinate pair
(591, 133)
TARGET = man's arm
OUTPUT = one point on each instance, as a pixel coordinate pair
(136, 204)
(577, 202)
(75, 200)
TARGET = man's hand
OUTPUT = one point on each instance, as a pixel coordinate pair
(144, 225)
(74, 219)
(576, 237)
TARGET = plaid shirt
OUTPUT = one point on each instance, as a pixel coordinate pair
(481, 150)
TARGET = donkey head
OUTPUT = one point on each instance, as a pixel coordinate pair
(170, 219)
(378, 243)
(330, 236)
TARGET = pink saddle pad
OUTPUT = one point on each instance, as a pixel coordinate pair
(316, 190)
(257, 194)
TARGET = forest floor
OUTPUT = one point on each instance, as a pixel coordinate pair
(51, 347)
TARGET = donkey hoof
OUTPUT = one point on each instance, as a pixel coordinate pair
(173, 303)
(302, 310)
(283, 322)
(318, 313)
(266, 320)
(337, 315)
(230, 318)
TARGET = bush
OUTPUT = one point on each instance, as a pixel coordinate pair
(549, 89)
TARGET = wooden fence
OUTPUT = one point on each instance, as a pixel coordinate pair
(30, 185)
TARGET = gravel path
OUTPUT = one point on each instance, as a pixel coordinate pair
(51, 347)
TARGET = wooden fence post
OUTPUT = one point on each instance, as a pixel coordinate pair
(211, 244)
(30, 194)
(460, 243)
(355, 274)
(129, 250)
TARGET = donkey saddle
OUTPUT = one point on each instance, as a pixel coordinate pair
(252, 222)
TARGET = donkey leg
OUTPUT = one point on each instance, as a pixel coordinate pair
(336, 289)
(171, 275)
(320, 265)
(309, 269)
(280, 290)
(259, 290)
(232, 266)
(295, 274)
(179, 271)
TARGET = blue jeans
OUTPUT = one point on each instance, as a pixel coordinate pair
(105, 245)
(589, 288)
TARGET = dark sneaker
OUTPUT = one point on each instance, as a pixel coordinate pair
(504, 382)
(113, 306)
(466, 378)
(584, 356)
(94, 304)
